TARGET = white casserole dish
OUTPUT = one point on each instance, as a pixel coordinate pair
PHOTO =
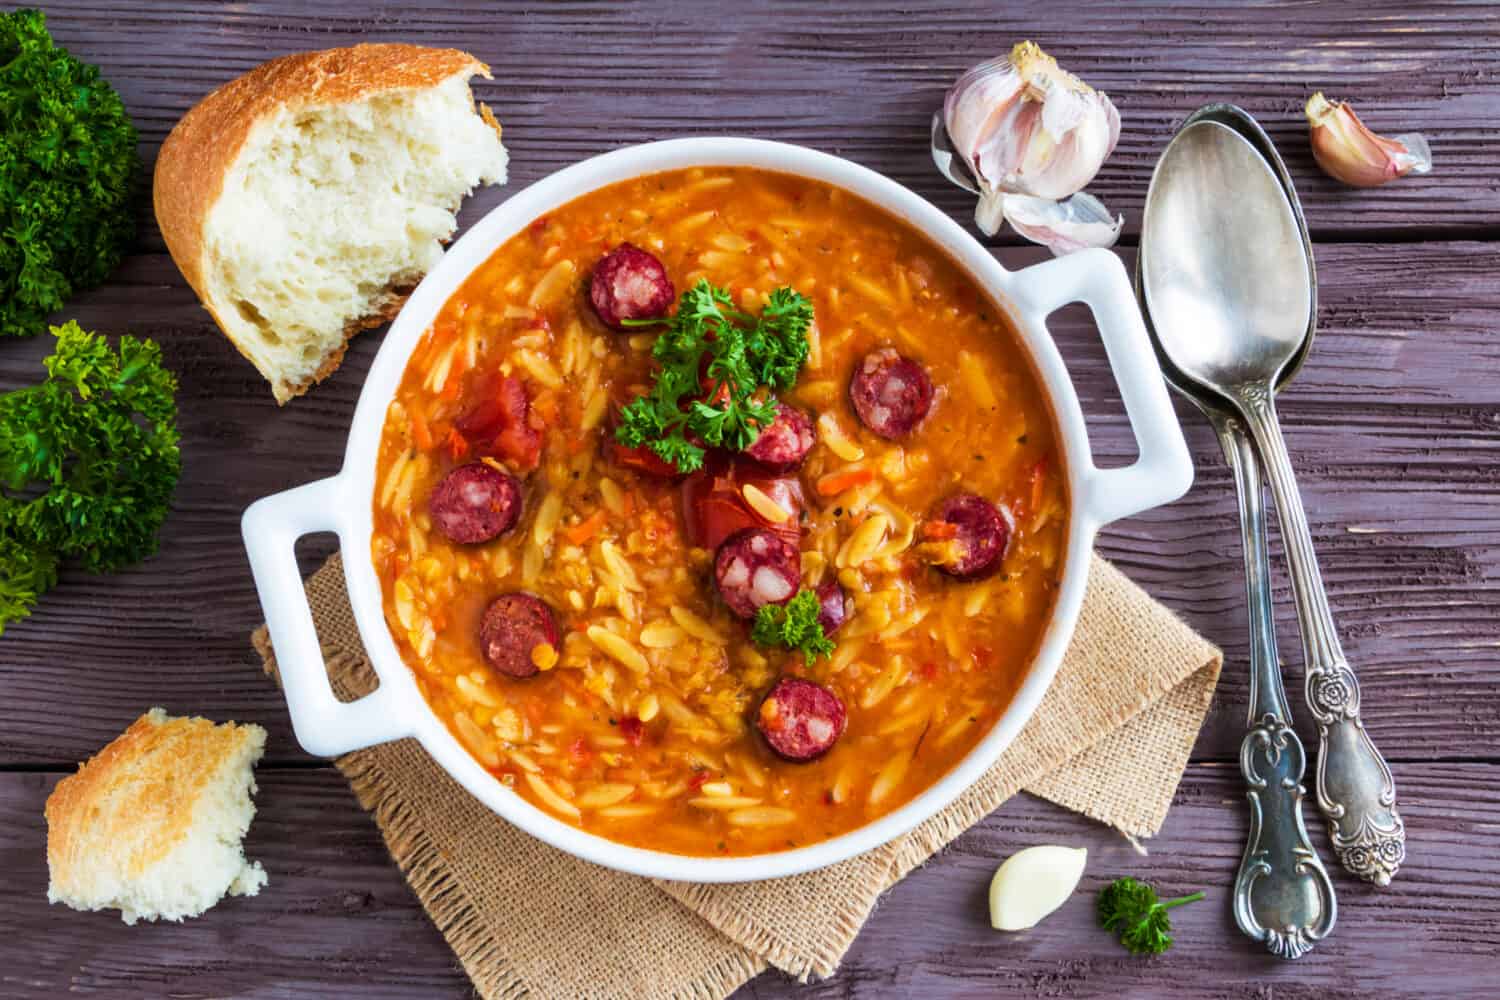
(271, 526)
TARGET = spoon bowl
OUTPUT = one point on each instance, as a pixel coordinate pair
(1225, 273)
(1234, 117)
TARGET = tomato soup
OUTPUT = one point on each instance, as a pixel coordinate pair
(580, 612)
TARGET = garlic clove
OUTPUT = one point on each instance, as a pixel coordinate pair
(979, 112)
(1023, 125)
(1032, 883)
(989, 214)
(949, 164)
(1350, 152)
(1063, 227)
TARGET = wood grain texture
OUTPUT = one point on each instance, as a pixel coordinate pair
(336, 919)
(1394, 426)
(335, 914)
(862, 80)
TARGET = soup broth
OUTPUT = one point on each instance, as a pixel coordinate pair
(643, 719)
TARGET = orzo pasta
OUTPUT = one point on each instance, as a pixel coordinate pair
(578, 611)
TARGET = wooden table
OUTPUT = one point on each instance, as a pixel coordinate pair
(1394, 426)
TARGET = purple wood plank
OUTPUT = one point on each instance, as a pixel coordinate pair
(863, 81)
(1432, 937)
(336, 920)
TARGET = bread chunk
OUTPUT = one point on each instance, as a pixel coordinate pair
(304, 200)
(152, 824)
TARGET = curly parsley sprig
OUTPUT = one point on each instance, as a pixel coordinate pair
(69, 174)
(793, 626)
(744, 354)
(88, 464)
(1129, 909)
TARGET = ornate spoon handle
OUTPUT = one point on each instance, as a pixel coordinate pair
(1282, 894)
(1355, 789)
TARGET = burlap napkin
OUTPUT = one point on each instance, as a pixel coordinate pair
(1110, 740)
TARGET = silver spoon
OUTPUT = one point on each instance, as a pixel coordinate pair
(1282, 894)
(1228, 281)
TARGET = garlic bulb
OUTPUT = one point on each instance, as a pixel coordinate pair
(1022, 125)
(1350, 152)
(1032, 883)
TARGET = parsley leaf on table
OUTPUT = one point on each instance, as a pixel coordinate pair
(1130, 909)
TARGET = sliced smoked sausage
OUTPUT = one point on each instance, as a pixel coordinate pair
(513, 625)
(783, 444)
(890, 393)
(833, 606)
(629, 283)
(980, 535)
(757, 567)
(801, 720)
(475, 503)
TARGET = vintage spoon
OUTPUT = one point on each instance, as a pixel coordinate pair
(1228, 280)
(1283, 896)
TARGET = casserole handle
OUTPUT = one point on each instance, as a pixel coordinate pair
(1164, 470)
(324, 725)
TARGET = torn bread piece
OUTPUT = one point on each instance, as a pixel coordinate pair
(304, 200)
(152, 825)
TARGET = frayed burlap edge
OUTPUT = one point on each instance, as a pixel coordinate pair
(815, 956)
(430, 875)
(1040, 777)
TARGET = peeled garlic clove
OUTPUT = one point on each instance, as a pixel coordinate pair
(1023, 125)
(1350, 152)
(1063, 227)
(1032, 883)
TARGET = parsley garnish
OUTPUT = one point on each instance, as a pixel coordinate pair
(794, 626)
(744, 353)
(1130, 909)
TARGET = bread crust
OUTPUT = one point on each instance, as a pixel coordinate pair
(144, 782)
(201, 150)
